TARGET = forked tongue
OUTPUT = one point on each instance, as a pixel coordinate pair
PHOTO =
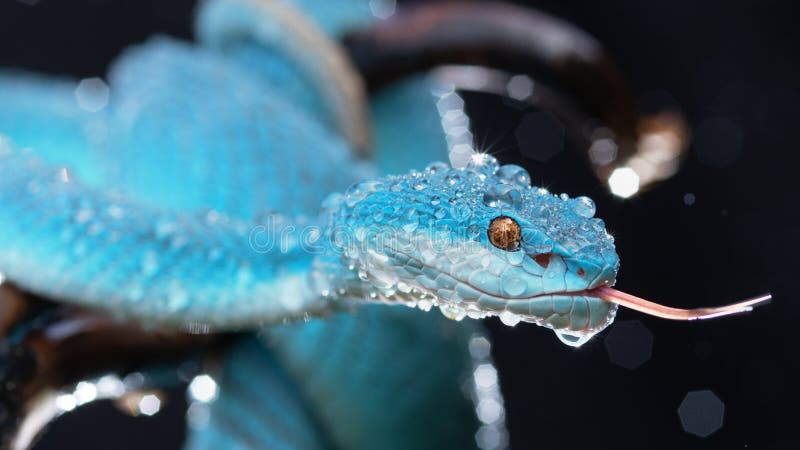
(654, 309)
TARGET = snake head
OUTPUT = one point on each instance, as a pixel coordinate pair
(479, 241)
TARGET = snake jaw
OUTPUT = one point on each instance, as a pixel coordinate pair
(471, 279)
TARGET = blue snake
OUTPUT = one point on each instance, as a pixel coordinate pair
(225, 187)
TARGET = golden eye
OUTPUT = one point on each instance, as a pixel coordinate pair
(505, 233)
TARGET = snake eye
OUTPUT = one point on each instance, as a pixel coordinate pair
(505, 233)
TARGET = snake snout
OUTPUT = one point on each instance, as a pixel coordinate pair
(589, 273)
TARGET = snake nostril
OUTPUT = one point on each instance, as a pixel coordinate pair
(543, 259)
(581, 273)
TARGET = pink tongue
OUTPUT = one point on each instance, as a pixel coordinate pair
(654, 309)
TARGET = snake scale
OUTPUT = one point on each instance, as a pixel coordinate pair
(227, 186)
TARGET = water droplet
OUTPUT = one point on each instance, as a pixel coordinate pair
(460, 212)
(513, 285)
(515, 175)
(483, 164)
(424, 304)
(436, 167)
(359, 191)
(435, 200)
(440, 213)
(474, 313)
(515, 258)
(502, 195)
(452, 312)
(573, 339)
(510, 319)
(420, 184)
(452, 178)
(584, 207)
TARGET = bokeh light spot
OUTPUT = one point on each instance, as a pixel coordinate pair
(519, 87)
(629, 344)
(603, 151)
(701, 413)
(149, 405)
(623, 182)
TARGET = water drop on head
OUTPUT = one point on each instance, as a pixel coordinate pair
(513, 285)
(440, 213)
(420, 184)
(514, 175)
(435, 200)
(483, 164)
(460, 212)
(502, 195)
(515, 258)
(584, 207)
(453, 178)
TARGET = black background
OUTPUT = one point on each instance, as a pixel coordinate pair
(736, 60)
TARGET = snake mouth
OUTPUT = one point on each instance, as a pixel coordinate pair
(597, 289)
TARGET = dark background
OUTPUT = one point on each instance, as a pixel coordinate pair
(730, 61)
